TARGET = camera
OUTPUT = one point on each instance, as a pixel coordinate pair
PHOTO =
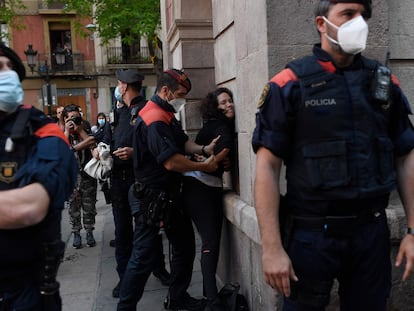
(76, 120)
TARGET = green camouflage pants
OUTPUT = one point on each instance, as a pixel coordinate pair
(82, 204)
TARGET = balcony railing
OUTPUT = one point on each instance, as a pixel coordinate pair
(74, 62)
(51, 5)
(122, 55)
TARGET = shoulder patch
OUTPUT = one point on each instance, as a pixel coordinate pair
(263, 96)
(327, 66)
(395, 80)
(52, 129)
(152, 113)
(284, 77)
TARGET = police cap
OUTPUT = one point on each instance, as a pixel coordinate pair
(366, 3)
(129, 76)
(15, 59)
(180, 77)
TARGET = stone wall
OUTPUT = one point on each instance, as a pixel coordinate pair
(248, 42)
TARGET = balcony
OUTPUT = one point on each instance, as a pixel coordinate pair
(46, 7)
(74, 63)
(128, 55)
(73, 68)
(50, 5)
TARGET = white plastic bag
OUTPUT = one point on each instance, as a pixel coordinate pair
(100, 169)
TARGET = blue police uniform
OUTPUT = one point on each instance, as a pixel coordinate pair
(122, 177)
(157, 137)
(29, 256)
(339, 146)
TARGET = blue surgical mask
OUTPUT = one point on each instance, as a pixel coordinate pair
(117, 95)
(101, 122)
(11, 91)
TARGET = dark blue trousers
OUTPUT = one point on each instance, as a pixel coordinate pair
(361, 264)
(123, 222)
(28, 298)
(145, 256)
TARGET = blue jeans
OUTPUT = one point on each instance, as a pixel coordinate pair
(145, 256)
(360, 263)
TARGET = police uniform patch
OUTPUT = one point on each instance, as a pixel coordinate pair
(263, 96)
(8, 171)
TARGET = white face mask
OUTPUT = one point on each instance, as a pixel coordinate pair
(177, 103)
(11, 91)
(352, 35)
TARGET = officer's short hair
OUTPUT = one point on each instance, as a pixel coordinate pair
(323, 6)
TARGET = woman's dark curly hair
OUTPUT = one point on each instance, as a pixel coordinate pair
(210, 103)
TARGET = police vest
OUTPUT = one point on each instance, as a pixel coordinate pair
(21, 250)
(341, 144)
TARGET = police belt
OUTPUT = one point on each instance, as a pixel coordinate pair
(341, 222)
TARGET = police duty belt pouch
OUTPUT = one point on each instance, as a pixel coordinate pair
(156, 206)
(100, 169)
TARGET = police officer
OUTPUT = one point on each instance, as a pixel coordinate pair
(345, 147)
(160, 146)
(128, 90)
(38, 172)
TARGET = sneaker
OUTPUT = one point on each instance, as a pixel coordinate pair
(77, 240)
(90, 240)
(188, 303)
(163, 275)
(115, 291)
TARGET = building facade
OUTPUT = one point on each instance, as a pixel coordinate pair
(64, 67)
(241, 44)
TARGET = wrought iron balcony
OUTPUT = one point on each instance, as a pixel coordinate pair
(73, 64)
(129, 55)
(50, 5)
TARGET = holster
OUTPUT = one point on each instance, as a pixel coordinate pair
(155, 206)
(53, 255)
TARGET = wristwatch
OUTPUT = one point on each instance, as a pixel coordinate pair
(410, 231)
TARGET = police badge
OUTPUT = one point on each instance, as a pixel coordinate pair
(263, 96)
(8, 171)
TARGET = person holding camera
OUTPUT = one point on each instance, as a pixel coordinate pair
(83, 199)
(347, 143)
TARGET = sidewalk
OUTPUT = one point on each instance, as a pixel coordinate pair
(87, 275)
